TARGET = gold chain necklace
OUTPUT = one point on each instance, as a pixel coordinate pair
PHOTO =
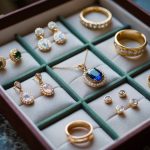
(92, 77)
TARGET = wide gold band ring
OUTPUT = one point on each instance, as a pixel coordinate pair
(79, 124)
(128, 35)
(95, 25)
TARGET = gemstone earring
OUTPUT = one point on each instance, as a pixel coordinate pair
(45, 88)
(44, 44)
(59, 36)
(25, 98)
(122, 94)
(15, 55)
(2, 62)
(120, 110)
(133, 103)
(108, 99)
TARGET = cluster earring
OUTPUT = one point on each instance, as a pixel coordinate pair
(15, 55)
(25, 97)
(44, 44)
(58, 36)
(45, 88)
(2, 62)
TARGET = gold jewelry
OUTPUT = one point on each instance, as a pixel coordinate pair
(120, 110)
(130, 34)
(79, 124)
(122, 94)
(2, 62)
(44, 44)
(25, 98)
(108, 99)
(59, 36)
(95, 25)
(133, 103)
(92, 77)
(15, 55)
(45, 88)
(148, 80)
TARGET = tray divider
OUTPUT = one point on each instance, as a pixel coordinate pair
(58, 116)
(106, 60)
(138, 87)
(108, 87)
(30, 50)
(100, 122)
(63, 84)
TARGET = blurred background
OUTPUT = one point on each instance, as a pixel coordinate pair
(7, 6)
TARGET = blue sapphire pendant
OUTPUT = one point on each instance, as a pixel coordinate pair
(94, 77)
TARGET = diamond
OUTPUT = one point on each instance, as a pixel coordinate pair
(133, 103)
(108, 99)
(39, 32)
(120, 109)
(44, 45)
(59, 37)
(122, 94)
(46, 89)
(52, 25)
(27, 99)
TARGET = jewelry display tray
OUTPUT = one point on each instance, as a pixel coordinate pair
(43, 124)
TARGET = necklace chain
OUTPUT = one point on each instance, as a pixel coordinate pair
(81, 67)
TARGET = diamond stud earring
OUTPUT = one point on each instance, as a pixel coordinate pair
(133, 103)
(44, 44)
(120, 110)
(122, 94)
(59, 36)
(45, 88)
(25, 97)
(108, 99)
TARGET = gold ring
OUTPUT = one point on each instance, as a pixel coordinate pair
(95, 25)
(130, 35)
(82, 125)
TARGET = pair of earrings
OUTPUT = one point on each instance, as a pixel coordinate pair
(44, 44)
(14, 55)
(133, 103)
(28, 99)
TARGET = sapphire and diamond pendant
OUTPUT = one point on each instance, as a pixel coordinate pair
(92, 77)
(25, 97)
(44, 44)
(45, 88)
(58, 36)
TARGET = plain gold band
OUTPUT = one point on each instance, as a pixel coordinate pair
(79, 124)
(130, 34)
(95, 25)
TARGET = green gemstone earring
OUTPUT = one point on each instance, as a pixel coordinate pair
(15, 55)
(2, 62)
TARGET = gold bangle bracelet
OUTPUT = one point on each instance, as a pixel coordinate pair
(79, 124)
(131, 35)
(95, 25)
